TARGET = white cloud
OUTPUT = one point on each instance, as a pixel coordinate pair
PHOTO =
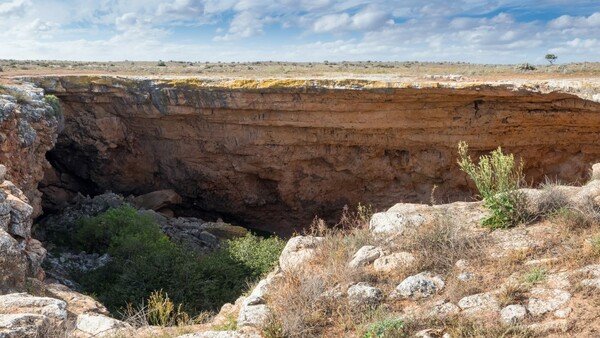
(298, 29)
(332, 23)
(180, 9)
(365, 20)
(14, 7)
(567, 21)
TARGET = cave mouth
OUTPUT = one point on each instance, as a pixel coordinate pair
(273, 158)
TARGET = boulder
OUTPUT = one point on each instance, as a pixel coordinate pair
(20, 223)
(542, 300)
(513, 314)
(298, 251)
(442, 309)
(419, 286)
(365, 255)
(99, 325)
(254, 311)
(24, 303)
(363, 294)
(13, 264)
(23, 325)
(253, 317)
(394, 262)
(398, 220)
(543, 329)
(479, 304)
(77, 302)
(563, 313)
(404, 216)
(157, 200)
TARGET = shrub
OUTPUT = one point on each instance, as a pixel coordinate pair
(497, 177)
(388, 328)
(162, 311)
(144, 260)
(54, 102)
(257, 254)
(526, 67)
(535, 275)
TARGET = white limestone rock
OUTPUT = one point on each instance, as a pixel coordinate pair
(365, 255)
(418, 286)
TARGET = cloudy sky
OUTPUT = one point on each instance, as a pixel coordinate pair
(498, 31)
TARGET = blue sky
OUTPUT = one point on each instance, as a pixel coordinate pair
(498, 31)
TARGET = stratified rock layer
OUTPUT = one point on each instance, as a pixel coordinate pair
(272, 154)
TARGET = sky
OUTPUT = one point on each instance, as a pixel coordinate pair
(498, 31)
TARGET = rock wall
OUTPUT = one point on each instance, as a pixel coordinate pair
(273, 153)
(28, 129)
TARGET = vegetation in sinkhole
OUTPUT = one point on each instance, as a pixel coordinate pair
(145, 264)
(54, 102)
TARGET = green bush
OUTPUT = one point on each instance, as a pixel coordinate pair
(257, 254)
(497, 177)
(144, 260)
(54, 102)
(535, 275)
(389, 328)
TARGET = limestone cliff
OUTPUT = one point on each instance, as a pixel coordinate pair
(28, 129)
(273, 153)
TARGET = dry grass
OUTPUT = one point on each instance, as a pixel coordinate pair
(439, 245)
(556, 207)
(456, 289)
(512, 293)
(305, 302)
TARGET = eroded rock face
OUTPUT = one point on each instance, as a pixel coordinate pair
(273, 155)
(28, 129)
(20, 255)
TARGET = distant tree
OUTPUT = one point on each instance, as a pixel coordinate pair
(551, 58)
